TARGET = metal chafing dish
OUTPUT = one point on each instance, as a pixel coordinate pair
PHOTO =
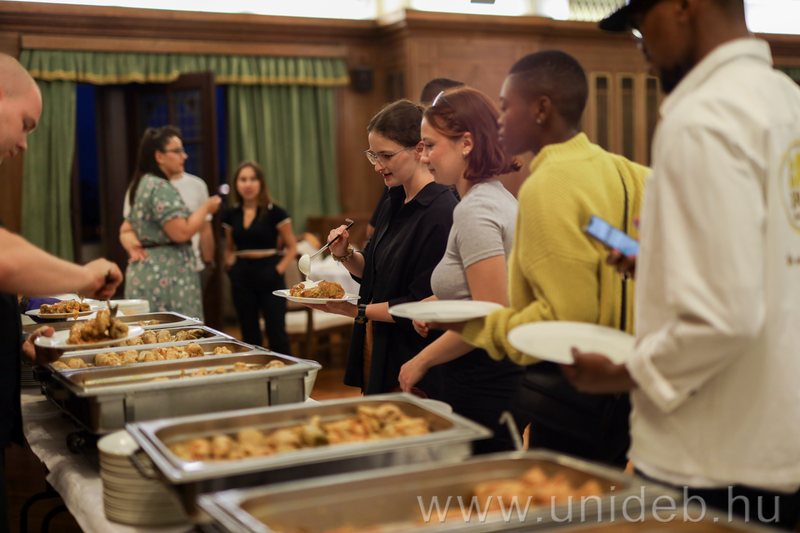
(400, 499)
(104, 399)
(210, 335)
(166, 320)
(450, 439)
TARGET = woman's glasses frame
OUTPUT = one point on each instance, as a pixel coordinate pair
(440, 98)
(383, 159)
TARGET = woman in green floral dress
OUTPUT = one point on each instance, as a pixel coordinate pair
(161, 267)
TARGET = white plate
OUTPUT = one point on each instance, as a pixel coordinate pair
(59, 340)
(444, 310)
(37, 314)
(553, 341)
(119, 443)
(284, 293)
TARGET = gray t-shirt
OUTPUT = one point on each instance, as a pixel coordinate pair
(483, 227)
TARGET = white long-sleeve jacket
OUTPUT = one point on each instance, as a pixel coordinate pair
(718, 280)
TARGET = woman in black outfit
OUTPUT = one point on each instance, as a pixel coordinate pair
(253, 262)
(396, 265)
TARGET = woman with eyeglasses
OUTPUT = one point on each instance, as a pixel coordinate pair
(163, 269)
(462, 149)
(396, 265)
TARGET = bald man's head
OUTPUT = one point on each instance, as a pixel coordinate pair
(20, 107)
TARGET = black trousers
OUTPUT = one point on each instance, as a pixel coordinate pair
(775, 509)
(252, 283)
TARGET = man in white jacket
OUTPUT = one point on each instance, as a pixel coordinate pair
(715, 376)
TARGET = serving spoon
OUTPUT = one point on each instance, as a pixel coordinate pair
(304, 263)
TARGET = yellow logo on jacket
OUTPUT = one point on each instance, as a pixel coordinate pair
(789, 174)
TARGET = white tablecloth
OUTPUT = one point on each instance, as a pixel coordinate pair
(329, 270)
(74, 476)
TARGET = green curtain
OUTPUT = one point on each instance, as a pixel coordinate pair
(286, 124)
(46, 185)
(111, 68)
(793, 72)
(290, 132)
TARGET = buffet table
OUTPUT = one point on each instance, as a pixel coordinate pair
(75, 477)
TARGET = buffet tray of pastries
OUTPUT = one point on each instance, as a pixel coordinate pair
(544, 483)
(102, 399)
(211, 452)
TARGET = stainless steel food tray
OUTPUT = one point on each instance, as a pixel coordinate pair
(227, 510)
(400, 499)
(167, 319)
(211, 335)
(450, 440)
(104, 399)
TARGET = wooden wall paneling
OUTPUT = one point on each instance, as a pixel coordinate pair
(626, 115)
(640, 108)
(359, 189)
(600, 86)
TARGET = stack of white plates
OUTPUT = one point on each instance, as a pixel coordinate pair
(128, 497)
(27, 376)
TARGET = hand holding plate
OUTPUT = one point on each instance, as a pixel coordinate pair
(597, 374)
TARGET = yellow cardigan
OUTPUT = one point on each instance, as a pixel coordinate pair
(557, 272)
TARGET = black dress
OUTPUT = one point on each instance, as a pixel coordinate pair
(409, 241)
(253, 280)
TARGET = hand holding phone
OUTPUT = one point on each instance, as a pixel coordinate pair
(612, 237)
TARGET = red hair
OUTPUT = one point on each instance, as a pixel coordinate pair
(471, 111)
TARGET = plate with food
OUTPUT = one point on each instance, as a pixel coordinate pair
(553, 341)
(445, 311)
(63, 309)
(316, 292)
(103, 330)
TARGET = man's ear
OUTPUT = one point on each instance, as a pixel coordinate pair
(540, 109)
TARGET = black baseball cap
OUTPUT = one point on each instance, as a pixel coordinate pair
(618, 20)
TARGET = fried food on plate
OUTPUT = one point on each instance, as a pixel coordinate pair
(318, 289)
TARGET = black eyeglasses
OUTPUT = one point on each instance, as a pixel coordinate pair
(179, 151)
(440, 98)
(383, 158)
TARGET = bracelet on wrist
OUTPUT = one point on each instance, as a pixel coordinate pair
(346, 257)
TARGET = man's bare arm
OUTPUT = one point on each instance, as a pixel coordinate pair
(30, 271)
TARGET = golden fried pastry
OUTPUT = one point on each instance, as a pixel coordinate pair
(195, 334)
(323, 289)
(385, 421)
(200, 372)
(240, 366)
(163, 336)
(161, 379)
(274, 364)
(136, 341)
(194, 350)
(149, 337)
(129, 357)
(75, 363)
(97, 329)
(107, 359)
(199, 449)
(221, 446)
(60, 365)
(221, 350)
(148, 322)
(64, 307)
(219, 370)
(182, 335)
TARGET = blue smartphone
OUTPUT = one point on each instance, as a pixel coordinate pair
(612, 237)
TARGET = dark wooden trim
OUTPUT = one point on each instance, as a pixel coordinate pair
(37, 18)
(172, 46)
